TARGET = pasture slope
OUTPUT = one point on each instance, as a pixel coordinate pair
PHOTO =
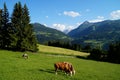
(39, 66)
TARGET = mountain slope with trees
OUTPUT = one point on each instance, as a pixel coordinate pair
(45, 34)
(100, 33)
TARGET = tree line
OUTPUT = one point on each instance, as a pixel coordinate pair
(110, 55)
(69, 45)
(16, 32)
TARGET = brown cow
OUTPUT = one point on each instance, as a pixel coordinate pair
(64, 66)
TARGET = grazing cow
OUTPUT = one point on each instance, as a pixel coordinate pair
(64, 66)
(25, 56)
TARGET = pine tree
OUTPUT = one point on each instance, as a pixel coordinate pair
(1, 41)
(5, 16)
(5, 30)
(29, 40)
(16, 24)
(23, 38)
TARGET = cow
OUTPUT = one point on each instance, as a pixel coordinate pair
(25, 56)
(64, 66)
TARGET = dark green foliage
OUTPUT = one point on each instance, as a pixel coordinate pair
(17, 26)
(87, 48)
(66, 45)
(4, 31)
(17, 34)
(23, 38)
(95, 54)
(1, 28)
(114, 52)
(112, 55)
(99, 55)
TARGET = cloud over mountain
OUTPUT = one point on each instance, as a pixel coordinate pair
(98, 19)
(63, 27)
(71, 13)
(115, 14)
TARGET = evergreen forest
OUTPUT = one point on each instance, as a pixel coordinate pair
(16, 32)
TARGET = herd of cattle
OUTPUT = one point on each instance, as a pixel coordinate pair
(63, 66)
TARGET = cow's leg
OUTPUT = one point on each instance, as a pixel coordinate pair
(70, 73)
(56, 71)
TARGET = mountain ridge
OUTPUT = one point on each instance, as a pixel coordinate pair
(45, 34)
(101, 33)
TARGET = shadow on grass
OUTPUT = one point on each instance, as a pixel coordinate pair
(51, 71)
(47, 70)
(82, 57)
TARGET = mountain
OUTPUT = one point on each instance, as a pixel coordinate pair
(100, 33)
(45, 34)
(76, 32)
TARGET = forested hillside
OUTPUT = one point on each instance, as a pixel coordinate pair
(45, 34)
(101, 33)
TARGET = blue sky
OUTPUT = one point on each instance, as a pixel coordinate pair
(68, 14)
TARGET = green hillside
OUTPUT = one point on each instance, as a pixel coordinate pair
(39, 66)
(45, 34)
(97, 34)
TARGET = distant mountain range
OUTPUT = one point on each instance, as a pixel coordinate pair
(100, 33)
(45, 34)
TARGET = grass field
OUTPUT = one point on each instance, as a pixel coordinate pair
(39, 66)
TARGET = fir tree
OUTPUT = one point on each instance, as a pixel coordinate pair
(5, 30)
(23, 38)
(16, 23)
(1, 41)
(29, 40)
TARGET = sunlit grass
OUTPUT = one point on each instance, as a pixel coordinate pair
(43, 48)
(40, 66)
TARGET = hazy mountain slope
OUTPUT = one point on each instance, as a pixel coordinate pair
(100, 33)
(45, 34)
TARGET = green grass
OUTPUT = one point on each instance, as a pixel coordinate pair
(39, 66)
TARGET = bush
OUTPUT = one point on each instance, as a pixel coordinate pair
(95, 54)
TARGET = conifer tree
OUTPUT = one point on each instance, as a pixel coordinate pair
(5, 30)
(23, 38)
(1, 41)
(16, 24)
(29, 40)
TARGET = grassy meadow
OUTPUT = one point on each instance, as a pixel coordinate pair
(40, 66)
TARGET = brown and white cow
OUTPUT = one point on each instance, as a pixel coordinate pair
(64, 66)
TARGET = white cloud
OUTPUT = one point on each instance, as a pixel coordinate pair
(115, 14)
(95, 20)
(78, 24)
(69, 28)
(71, 13)
(60, 27)
(45, 25)
(63, 27)
(98, 19)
